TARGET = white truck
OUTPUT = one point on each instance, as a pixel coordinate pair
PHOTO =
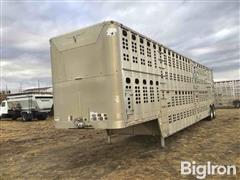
(27, 105)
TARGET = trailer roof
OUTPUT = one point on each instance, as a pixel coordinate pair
(135, 32)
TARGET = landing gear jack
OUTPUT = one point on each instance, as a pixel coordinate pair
(162, 142)
(109, 139)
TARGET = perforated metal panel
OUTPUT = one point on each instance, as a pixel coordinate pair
(169, 85)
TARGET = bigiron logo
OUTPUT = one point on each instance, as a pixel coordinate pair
(201, 171)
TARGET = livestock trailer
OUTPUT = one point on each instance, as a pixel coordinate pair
(227, 93)
(108, 76)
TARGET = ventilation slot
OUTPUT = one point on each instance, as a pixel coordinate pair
(125, 43)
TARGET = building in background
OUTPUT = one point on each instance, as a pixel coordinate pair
(39, 90)
(227, 93)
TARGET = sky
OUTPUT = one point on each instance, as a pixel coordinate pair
(206, 31)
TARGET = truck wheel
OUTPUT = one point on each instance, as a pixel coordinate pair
(26, 117)
(42, 117)
(14, 116)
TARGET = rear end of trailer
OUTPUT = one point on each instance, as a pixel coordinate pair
(108, 76)
(87, 82)
(227, 93)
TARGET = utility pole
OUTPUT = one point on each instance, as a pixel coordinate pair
(20, 87)
(38, 86)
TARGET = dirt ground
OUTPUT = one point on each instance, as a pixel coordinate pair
(36, 150)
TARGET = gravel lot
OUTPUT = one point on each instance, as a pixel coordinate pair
(36, 150)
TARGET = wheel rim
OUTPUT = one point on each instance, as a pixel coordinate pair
(24, 117)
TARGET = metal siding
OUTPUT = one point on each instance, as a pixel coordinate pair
(191, 82)
(92, 80)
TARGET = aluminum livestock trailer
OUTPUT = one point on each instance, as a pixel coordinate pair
(227, 93)
(108, 76)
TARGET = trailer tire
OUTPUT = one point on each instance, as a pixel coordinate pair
(212, 112)
(42, 116)
(26, 116)
(238, 105)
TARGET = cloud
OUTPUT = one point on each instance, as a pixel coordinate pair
(207, 32)
(26, 70)
(227, 74)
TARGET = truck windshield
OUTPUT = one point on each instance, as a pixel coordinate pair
(3, 104)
